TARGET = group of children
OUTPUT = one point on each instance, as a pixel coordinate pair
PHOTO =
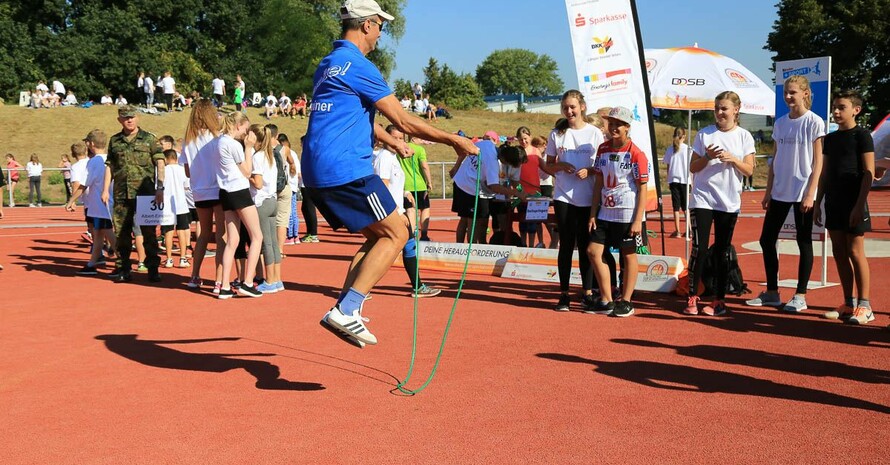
(599, 197)
(224, 171)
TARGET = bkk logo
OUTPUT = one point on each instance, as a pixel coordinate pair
(602, 45)
(739, 79)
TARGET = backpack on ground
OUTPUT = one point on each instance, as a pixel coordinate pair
(735, 283)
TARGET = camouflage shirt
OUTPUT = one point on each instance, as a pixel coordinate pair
(132, 164)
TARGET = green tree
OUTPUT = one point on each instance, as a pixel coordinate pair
(457, 92)
(401, 88)
(518, 71)
(855, 34)
(95, 46)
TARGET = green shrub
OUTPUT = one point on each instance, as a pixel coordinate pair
(55, 178)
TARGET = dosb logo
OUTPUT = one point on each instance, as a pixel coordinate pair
(602, 45)
(580, 21)
(687, 82)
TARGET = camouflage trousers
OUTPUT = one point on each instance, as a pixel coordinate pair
(122, 217)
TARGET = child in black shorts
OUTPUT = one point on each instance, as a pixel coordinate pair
(847, 174)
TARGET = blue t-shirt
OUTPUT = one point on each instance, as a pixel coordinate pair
(339, 142)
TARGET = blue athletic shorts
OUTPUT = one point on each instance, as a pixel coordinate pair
(99, 223)
(354, 205)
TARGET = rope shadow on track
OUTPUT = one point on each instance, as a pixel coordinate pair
(770, 361)
(390, 381)
(154, 354)
(776, 324)
(686, 378)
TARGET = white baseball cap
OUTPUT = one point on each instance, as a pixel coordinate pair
(353, 9)
(621, 114)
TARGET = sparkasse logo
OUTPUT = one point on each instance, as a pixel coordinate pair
(580, 21)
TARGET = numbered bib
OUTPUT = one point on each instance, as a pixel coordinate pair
(149, 213)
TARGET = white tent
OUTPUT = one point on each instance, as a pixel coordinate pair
(881, 136)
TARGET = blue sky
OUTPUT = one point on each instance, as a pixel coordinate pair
(462, 33)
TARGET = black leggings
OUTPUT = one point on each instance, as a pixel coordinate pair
(573, 223)
(309, 215)
(772, 224)
(724, 225)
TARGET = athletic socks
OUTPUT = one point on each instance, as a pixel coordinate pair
(351, 302)
(864, 303)
(410, 264)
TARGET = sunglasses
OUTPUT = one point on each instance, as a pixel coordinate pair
(379, 24)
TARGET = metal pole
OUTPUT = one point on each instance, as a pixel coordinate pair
(688, 188)
(443, 180)
(825, 240)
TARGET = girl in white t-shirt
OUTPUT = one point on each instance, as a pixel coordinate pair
(200, 162)
(570, 156)
(263, 180)
(721, 155)
(791, 185)
(234, 168)
(677, 160)
(35, 172)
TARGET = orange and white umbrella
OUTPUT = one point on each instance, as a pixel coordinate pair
(688, 78)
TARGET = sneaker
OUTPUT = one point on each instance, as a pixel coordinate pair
(691, 305)
(184, 263)
(289, 241)
(600, 308)
(168, 263)
(279, 285)
(88, 270)
(267, 288)
(123, 277)
(154, 276)
(210, 254)
(623, 309)
(225, 294)
(765, 299)
(32, 205)
(563, 304)
(141, 268)
(195, 283)
(861, 316)
(117, 272)
(342, 335)
(310, 238)
(588, 301)
(843, 312)
(87, 237)
(717, 307)
(675, 234)
(797, 304)
(217, 287)
(426, 291)
(249, 291)
(353, 326)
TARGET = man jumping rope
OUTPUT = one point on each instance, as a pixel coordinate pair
(347, 92)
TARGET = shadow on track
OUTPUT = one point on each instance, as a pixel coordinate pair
(691, 379)
(153, 353)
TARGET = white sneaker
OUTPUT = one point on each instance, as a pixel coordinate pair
(184, 263)
(765, 299)
(342, 335)
(797, 304)
(353, 326)
(168, 263)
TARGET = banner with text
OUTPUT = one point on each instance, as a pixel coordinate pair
(655, 273)
(610, 68)
(818, 72)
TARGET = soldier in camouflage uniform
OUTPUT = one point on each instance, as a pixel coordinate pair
(133, 155)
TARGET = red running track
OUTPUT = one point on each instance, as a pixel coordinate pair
(101, 373)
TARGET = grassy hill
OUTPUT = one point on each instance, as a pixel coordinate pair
(50, 133)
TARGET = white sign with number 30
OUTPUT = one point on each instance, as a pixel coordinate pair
(149, 213)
